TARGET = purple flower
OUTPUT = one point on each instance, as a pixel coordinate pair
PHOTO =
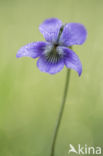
(56, 52)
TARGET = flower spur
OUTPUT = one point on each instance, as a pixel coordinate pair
(56, 52)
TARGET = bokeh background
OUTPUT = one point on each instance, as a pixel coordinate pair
(30, 100)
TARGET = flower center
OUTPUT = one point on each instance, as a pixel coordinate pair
(52, 54)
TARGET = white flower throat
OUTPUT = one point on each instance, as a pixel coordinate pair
(53, 54)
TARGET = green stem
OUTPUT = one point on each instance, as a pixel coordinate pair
(60, 113)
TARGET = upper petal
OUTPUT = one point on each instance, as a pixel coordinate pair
(73, 33)
(33, 50)
(71, 60)
(50, 29)
(50, 68)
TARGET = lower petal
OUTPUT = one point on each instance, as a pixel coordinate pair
(33, 50)
(71, 60)
(44, 66)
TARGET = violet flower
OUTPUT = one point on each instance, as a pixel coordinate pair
(56, 52)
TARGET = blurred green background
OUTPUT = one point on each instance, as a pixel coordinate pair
(30, 100)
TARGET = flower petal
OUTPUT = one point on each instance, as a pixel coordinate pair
(33, 50)
(71, 60)
(73, 33)
(50, 29)
(50, 68)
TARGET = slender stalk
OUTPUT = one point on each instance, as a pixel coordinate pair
(60, 113)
